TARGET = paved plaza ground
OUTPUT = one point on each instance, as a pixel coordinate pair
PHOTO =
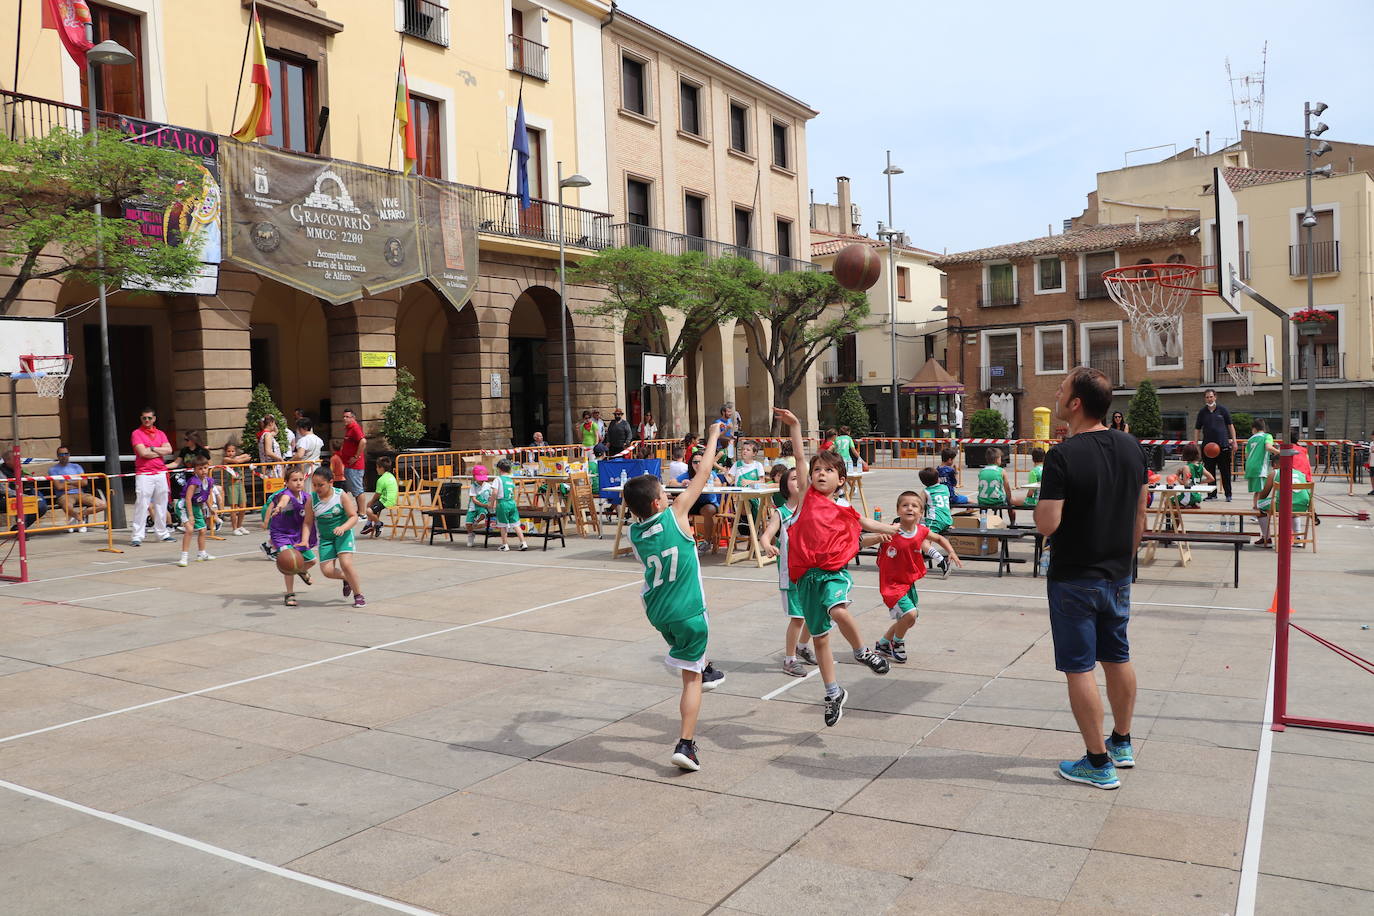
(491, 734)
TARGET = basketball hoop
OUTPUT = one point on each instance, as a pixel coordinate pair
(1153, 297)
(49, 374)
(673, 384)
(1243, 374)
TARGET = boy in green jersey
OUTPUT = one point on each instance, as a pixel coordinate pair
(1258, 448)
(1037, 468)
(843, 445)
(387, 492)
(993, 487)
(1194, 473)
(674, 599)
(1302, 501)
(937, 516)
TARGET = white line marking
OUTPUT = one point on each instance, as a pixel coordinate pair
(238, 858)
(110, 595)
(108, 572)
(1254, 833)
(322, 661)
(790, 684)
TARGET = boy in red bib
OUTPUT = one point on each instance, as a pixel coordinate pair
(821, 540)
(900, 564)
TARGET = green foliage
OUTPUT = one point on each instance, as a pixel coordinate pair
(49, 187)
(1241, 421)
(850, 411)
(261, 405)
(401, 419)
(987, 424)
(1143, 412)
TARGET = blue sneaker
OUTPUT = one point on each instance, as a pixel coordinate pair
(1084, 772)
(1123, 757)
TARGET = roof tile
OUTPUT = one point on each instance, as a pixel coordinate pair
(1086, 238)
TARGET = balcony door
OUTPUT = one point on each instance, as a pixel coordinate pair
(1104, 352)
(1003, 368)
(1230, 344)
(532, 218)
(117, 89)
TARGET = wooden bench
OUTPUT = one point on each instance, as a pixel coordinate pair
(452, 520)
(1201, 537)
(547, 516)
(1218, 512)
(1004, 536)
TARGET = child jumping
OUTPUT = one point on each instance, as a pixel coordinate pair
(674, 600)
(480, 503)
(821, 540)
(336, 515)
(290, 523)
(507, 512)
(795, 648)
(199, 495)
(901, 563)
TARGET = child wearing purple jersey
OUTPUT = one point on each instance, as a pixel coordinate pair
(291, 523)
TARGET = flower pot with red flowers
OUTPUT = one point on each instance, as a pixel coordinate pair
(1310, 322)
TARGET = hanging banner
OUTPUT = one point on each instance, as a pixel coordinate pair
(329, 228)
(450, 235)
(192, 222)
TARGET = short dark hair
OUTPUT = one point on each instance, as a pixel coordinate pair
(947, 455)
(929, 476)
(912, 493)
(304, 423)
(1037, 454)
(323, 473)
(503, 465)
(1207, 391)
(1257, 424)
(1191, 451)
(385, 463)
(844, 431)
(640, 493)
(200, 461)
(831, 459)
(1093, 390)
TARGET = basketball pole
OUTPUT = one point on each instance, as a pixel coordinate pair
(17, 465)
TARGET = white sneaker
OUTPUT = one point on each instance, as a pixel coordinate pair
(505, 547)
(81, 530)
(203, 556)
(183, 561)
(472, 541)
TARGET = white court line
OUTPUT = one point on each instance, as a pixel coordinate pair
(110, 572)
(94, 597)
(1259, 793)
(231, 856)
(790, 684)
(322, 661)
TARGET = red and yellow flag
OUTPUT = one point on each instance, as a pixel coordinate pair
(259, 121)
(69, 19)
(404, 128)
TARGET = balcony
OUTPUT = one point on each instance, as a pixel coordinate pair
(993, 295)
(1093, 288)
(1330, 366)
(29, 116)
(842, 372)
(1113, 369)
(1212, 372)
(1209, 268)
(529, 57)
(1325, 258)
(425, 19)
(1005, 377)
(631, 235)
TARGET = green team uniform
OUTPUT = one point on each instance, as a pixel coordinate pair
(1257, 460)
(990, 492)
(1302, 499)
(674, 600)
(938, 518)
(1033, 496)
(1197, 473)
(329, 515)
(790, 600)
(745, 474)
(844, 447)
(479, 502)
(507, 512)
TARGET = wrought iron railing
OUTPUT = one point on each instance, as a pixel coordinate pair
(1325, 258)
(30, 116)
(1113, 369)
(500, 213)
(1330, 365)
(1093, 288)
(1003, 377)
(991, 295)
(426, 19)
(529, 57)
(842, 372)
(631, 235)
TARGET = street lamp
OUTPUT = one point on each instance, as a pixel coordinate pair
(891, 234)
(572, 181)
(1309, 222)
(108, 53)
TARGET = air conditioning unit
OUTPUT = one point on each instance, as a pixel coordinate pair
(856, 216)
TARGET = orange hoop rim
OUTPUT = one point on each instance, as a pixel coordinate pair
(1242, 365)
(1134, 273)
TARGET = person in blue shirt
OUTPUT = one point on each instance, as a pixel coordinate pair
(949, 476)
(706, 506)
(73, 498)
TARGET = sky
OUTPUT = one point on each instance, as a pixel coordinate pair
(1001, 113)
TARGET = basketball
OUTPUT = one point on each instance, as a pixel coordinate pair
(1211, 450)
(857, 267)
(289, 561)
(1172, 480)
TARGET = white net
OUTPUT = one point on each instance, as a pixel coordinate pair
(673, 384)
(49, 374)
(1244, 376)
(1153, 297)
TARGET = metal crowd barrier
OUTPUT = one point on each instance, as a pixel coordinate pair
(41, 501)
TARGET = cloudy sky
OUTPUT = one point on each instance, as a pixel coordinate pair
(1001, 112)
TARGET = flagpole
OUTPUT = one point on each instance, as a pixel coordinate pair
(510, 162)
(243, 64)
(18, 43)
(400, 59)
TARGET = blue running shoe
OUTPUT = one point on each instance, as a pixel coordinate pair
(1123, 757)
(1084, 772)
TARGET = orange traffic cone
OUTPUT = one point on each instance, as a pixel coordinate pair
(1274, 606)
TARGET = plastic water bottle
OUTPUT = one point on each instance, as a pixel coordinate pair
(877, 514)
(623, 478)
(1045, 563)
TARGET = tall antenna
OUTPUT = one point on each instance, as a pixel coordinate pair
(1247, 94)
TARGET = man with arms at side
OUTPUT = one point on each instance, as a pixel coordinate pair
(1214, 424)
(308, 446)
(151, 450)
(1092, 501)
(354, 454)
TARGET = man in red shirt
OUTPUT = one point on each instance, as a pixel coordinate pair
(354, 454)
(150, 480)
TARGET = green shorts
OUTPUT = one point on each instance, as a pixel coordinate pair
(199, 517)
(507, 514)
(938, 527)
(330, 548)
(906, 604)
(817, 592)
(686, 640)
(790, 605)
(476, 515)
(1255, 484)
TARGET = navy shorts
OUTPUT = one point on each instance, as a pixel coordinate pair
(1088, 619)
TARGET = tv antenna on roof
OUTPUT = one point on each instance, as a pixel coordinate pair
(1247, 94)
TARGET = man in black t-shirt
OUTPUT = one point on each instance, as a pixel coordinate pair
(1213, 424)
(1092, 501)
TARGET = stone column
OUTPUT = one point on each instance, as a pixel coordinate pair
(481, 349)
(364, 325)
(211, 357)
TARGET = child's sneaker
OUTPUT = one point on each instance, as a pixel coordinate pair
(1083, 771)
(183, 561)
(794, 667)
(267, 549)
(883, 647)
(367, 527)
(1123, 755)
(834, 707)
(805, 654)
(504, 547)
(685, 756)
(711, 677)
(203, 556)
(873, 660)
(524, 546)
(359, 601)
(944, 566)
(472, 540)
(899, 651)
(347, 589)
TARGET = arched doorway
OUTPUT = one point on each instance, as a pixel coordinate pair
(423, 346)
(289, 350)
(536, 366)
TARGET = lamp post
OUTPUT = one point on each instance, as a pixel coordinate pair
(107, 54)
(891, 234)
(572, 181)
(1309, 222)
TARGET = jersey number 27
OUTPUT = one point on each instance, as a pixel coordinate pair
(655, 563)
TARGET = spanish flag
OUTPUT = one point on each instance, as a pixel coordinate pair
(259, 121)
(404, 128)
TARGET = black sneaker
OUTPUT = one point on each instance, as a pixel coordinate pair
(944, 566)
(685, 756)
(834, 707)
(711, 677)
(873, 660)
(805, 654)
(267, 549)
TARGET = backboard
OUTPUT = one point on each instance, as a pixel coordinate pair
(654, 366)
(30, 337)
(1226, 238)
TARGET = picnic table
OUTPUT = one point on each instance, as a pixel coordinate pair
(748, 504)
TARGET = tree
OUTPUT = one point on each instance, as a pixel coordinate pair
(987, 424)
(261, 405)
(1143, 412)
(401, 423)
(1241, 421)
(49, 187)
(851, 411)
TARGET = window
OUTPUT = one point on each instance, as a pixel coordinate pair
(425, 19)
(904, 284)
(532, 217)
(689, 105)
(744, 220)
(637, 211)
(785, 238)
(424, 114)
(739, 127)
(1326, 350)
(527, 54)
(847, 360)
(999, 285)
(780, 158)
(633, 92)
(1049, 275)
(117, 89)
(1169, 359)
(1001, 360)
(1230, 344)
(1102, 350)
(694, 221)
(1324, 251)
(293, 103)
(1051, 350)
(1093, 265)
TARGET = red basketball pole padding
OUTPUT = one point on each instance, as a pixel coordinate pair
(1283, 588)
(16, 463)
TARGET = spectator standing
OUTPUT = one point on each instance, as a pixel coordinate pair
(600, 426)
(292, 425)
(353, 451)
(619, 433)
(151, 450)
(538, 441)
(1092, 502)
(269, 447)
(1213, 425)
(588, 428)
(182, 469)
(73, 499)
(308, 445)
(647, 428)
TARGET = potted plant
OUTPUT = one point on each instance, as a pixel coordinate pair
(402, 423)
(1310, 322)
(1143, 417)
(984, 424)
(260, 405)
